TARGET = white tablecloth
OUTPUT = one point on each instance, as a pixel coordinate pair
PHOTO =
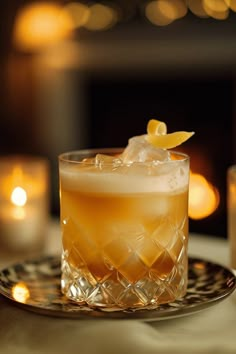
(212, 330)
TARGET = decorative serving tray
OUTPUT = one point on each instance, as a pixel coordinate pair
(35, 285)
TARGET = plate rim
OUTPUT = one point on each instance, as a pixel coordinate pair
(147, 315)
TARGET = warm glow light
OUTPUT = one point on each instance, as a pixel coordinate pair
(19, 177)
(231, 4)
(218, 15)
(101, 17)
(156, 16)
(196, 7)
(163, 12)
(20, 292)
(215, 5)
(180, 8)
(19, 197)
(203, 197)
(16, 178)
(79, 13)
(217, 9)
(64, 55)
(40, 24)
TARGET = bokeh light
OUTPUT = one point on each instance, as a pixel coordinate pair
(101, 17)
(197, 8)
(164, 12)
(155, 16)
(78, 12)
(40, 24)
(180, 8)
(216, 9)
(203, 197)
(231, 4)
(20, 292)
(215, 5)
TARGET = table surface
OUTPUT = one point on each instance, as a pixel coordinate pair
(211, 330)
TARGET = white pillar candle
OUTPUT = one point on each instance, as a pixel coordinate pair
(23, 202)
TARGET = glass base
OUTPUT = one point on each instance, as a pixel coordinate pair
(115, 291)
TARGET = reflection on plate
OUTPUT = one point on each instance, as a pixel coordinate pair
(35, 285)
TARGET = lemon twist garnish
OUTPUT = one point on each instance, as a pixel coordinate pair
(158, 137)
(155, 127)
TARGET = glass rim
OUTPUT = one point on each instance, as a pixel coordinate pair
(66, 156)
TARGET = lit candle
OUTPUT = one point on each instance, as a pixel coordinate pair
(24, 202)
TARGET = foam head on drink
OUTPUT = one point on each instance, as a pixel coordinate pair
(124, 222)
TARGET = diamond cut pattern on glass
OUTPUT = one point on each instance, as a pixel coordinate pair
(133, 271)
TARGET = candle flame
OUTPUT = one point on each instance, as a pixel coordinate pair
(19, 196)
(20, 292)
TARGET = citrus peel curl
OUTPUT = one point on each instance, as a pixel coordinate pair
(158, 137)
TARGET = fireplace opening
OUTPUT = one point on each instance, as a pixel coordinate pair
(119, 108)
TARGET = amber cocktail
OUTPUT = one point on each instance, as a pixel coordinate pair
(124, 226)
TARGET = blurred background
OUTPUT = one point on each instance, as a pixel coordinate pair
(83, 74)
